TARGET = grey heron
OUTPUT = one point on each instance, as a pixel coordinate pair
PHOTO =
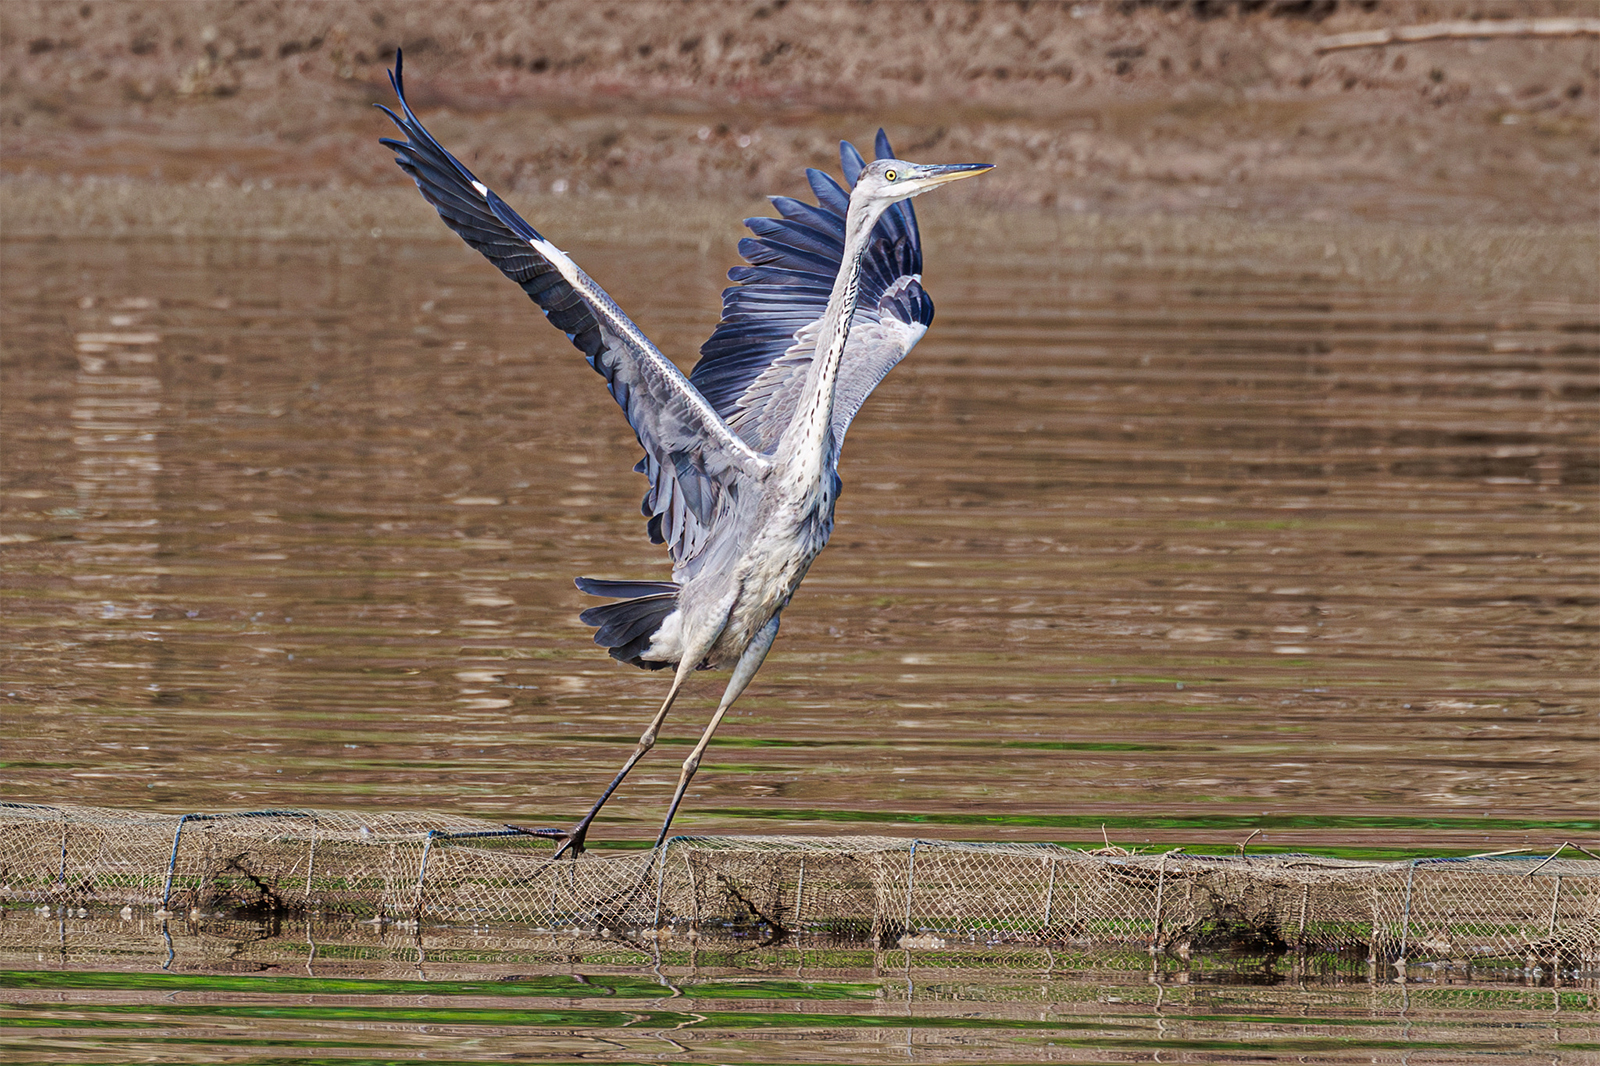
(742, 454)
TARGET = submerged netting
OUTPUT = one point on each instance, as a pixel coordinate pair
(915, 895)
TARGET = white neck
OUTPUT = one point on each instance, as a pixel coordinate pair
(809, 439)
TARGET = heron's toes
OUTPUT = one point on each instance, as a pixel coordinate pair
(565, 841)
(572, 841)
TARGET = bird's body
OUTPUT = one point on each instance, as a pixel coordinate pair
(726, 605)
(741, 454)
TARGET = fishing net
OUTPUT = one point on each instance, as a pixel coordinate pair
(918, 896)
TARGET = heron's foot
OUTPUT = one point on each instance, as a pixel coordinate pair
(572, 841)
(565, 840)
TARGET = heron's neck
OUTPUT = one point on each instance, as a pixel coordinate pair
(812, 428)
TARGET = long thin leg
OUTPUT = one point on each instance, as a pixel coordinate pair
(749, 663)
(574, 840)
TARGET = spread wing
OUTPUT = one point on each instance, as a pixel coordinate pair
(692, 458)
(755, 366)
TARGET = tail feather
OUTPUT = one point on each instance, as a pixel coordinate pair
(628, 620)
(628, 627)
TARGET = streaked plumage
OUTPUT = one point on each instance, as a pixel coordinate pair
(741, 455)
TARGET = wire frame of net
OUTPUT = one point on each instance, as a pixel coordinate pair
(883, 891)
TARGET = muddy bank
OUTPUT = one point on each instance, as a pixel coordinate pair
(1091, 108)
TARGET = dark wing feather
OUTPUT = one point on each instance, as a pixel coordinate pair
(691, 457)
(754, 367)
(625, 590)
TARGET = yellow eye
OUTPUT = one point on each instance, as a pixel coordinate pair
(889, 175)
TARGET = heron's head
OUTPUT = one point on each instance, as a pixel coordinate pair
(887, 181)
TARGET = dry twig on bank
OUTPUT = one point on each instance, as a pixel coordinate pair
(1462, 30)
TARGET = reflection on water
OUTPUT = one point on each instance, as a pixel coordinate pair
(1161, 546)
(116, 417)
(223, 989)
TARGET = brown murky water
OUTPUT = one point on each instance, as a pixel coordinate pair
(806, 1011)
(1185, 548)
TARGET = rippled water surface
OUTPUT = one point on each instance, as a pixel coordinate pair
(718, 1015)
(1182, 549)
(1185, 550)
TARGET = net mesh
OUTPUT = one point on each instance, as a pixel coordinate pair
(925, 896)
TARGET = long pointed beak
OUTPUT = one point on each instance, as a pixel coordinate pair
(939, 174)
